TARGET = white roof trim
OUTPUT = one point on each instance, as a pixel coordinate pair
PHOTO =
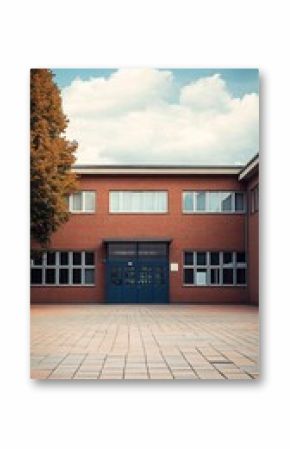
(249, 168)
(156, 170)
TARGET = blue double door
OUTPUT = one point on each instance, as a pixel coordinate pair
(136, 278)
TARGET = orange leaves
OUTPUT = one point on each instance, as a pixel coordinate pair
(51, 157)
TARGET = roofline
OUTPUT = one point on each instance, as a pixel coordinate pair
(250, 168)
(157, 169)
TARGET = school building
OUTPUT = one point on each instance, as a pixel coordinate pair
(155, 234)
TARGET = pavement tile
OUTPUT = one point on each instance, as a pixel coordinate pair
(40, 373)
(193, 341)
(209, 374)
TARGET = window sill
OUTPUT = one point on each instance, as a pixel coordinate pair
(214, 285)
(138, 213)
(213, 213)
(82, 212)
(61, 286)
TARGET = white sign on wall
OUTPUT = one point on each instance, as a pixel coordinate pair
(174, 267)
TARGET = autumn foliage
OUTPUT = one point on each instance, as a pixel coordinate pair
(52, 156)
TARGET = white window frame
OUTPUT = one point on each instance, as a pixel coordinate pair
(234, 265)
(139, 212)
(207, 210)
(57, 266)
(83, 209)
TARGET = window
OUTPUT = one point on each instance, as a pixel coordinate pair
(255, 199)
(228, 276)
(63, 268)
(226, 201)
(133, 250)
(138, 201)
(200, 201)
(239, 201)
(214, 258)
(123, 250)
(213, 202)
(201, 277)
(201, 258)
(82, 202)
(227, 258)
(152, 250)
(188, 276)
(188, 258)
(213, 268)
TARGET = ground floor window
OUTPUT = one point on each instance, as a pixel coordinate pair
(63, 268)
(214, 268)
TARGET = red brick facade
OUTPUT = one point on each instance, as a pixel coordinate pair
(236, 232)
(253, 243)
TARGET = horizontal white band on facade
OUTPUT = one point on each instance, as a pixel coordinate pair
(135, 170)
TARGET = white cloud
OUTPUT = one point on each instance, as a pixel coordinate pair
(131, 118)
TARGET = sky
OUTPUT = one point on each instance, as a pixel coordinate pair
(161, 116)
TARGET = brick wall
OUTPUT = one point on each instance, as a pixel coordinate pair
(188, 231)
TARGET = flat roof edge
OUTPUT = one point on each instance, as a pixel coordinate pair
(250, 168)
(156, 170)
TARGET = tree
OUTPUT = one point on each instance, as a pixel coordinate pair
(52, 156)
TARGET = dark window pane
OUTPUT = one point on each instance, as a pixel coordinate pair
(241, 257)
(50, 276)
(36, 257)
(200, 201)
(188, 201)
(36, 276)
(227, 258)
(89, 276)
(226, 201)
(129, 274)
(77, 276)
(239, 202)
(215, 276)
(89, 258)
(256, 198)
(215, 258)
(200, 258)
(159, 276)
(50, 258)
(241, 276)
(116, 276)
(188, 276)
(122, 250)
(152, 250)
(77, 258)
(228, 276)
(64, 258)
(63, 276)
(188, 258)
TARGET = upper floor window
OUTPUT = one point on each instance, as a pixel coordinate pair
(255, 199)
(82, 202)
(213, 202)
(139, 201)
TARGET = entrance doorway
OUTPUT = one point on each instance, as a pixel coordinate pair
(137, 272)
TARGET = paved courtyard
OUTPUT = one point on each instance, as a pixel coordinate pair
(144, 342)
